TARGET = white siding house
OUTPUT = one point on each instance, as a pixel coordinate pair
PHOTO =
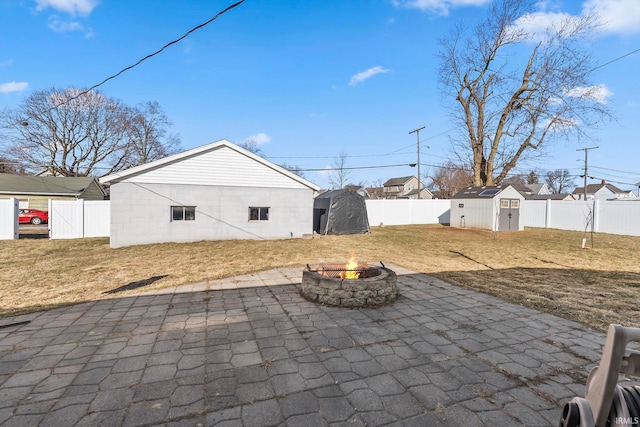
(215, 192)
(497, 208)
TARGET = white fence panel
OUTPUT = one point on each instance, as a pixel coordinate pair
(9, 219)
(75, 219)
(618, 217)
(534, 213)
(576, 215)
(603, 216)
(65, 219)
(409, 211)
(97, 218)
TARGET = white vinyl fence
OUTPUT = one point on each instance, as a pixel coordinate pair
(9, 219)
(408, 211)
(74, 219)
(603, 216)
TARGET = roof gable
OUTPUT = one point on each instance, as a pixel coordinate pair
(219, 163)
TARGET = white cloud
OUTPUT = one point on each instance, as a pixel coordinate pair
(536, 24)
(72, 7)
(441, 7)
(13, 87)
(364, 75)
(599, 93)
(616, 16)
(6, 63)
(60, 26)
(258, 139)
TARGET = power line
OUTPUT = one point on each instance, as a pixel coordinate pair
(197, 27)
(614, 60)
(610, 181)
(616, 170)
(355, 167)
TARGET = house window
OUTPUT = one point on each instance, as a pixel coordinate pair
(259, 214)
(504, 203)
(183, 213)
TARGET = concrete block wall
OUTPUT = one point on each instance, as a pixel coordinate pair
(141, 213)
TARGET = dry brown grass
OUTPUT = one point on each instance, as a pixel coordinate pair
(543, 269)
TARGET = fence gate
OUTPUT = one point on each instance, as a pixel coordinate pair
(509, 215)
(74, 219)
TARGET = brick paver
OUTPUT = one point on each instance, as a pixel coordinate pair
(249, 351)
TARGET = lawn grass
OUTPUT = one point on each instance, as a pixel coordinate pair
(538, 268)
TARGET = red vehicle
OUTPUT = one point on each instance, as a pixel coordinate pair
(32, 216)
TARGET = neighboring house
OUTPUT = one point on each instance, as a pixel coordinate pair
(34, 192)
(358, 189)
(375, 192)
(602, 191)
(405, 187)
(532, 189)
(549, 197)
(215, 192)
(496, 208)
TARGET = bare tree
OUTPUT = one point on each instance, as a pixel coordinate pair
(514, 180)
(559, 181)
(253, 147)
(76, 133)
(10, 166)
(293, 168)
(340, 174)
(447, 180)
(509, 108)
(147, 134)
(532, 178)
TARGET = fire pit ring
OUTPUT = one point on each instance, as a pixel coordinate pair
(327, 284)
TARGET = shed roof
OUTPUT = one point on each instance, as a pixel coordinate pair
(45, 185)
(484, 192)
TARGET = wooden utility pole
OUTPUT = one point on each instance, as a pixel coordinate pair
(586, 155)
(417, 132)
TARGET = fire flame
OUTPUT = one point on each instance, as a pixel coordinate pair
(350, 269)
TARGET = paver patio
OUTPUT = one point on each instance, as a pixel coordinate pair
(250, 351)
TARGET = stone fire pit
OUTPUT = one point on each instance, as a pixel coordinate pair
(328, 284)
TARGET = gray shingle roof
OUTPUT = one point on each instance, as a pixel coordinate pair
(397, 181)
(43, 185)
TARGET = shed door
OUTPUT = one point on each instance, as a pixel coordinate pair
(509, 215)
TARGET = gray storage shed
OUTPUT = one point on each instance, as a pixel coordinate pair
(340, 212)
(497, 208)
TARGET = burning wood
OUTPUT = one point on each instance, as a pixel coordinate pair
(351, 271)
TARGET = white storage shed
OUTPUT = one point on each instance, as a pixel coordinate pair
(496, 208)
(215, 192)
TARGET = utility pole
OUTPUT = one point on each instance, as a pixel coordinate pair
(586, 156)
(417, 132)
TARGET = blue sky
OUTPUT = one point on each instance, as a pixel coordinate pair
(307, 79)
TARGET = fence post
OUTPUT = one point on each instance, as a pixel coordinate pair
(547, 216)
(80, 218)
(50, 211)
